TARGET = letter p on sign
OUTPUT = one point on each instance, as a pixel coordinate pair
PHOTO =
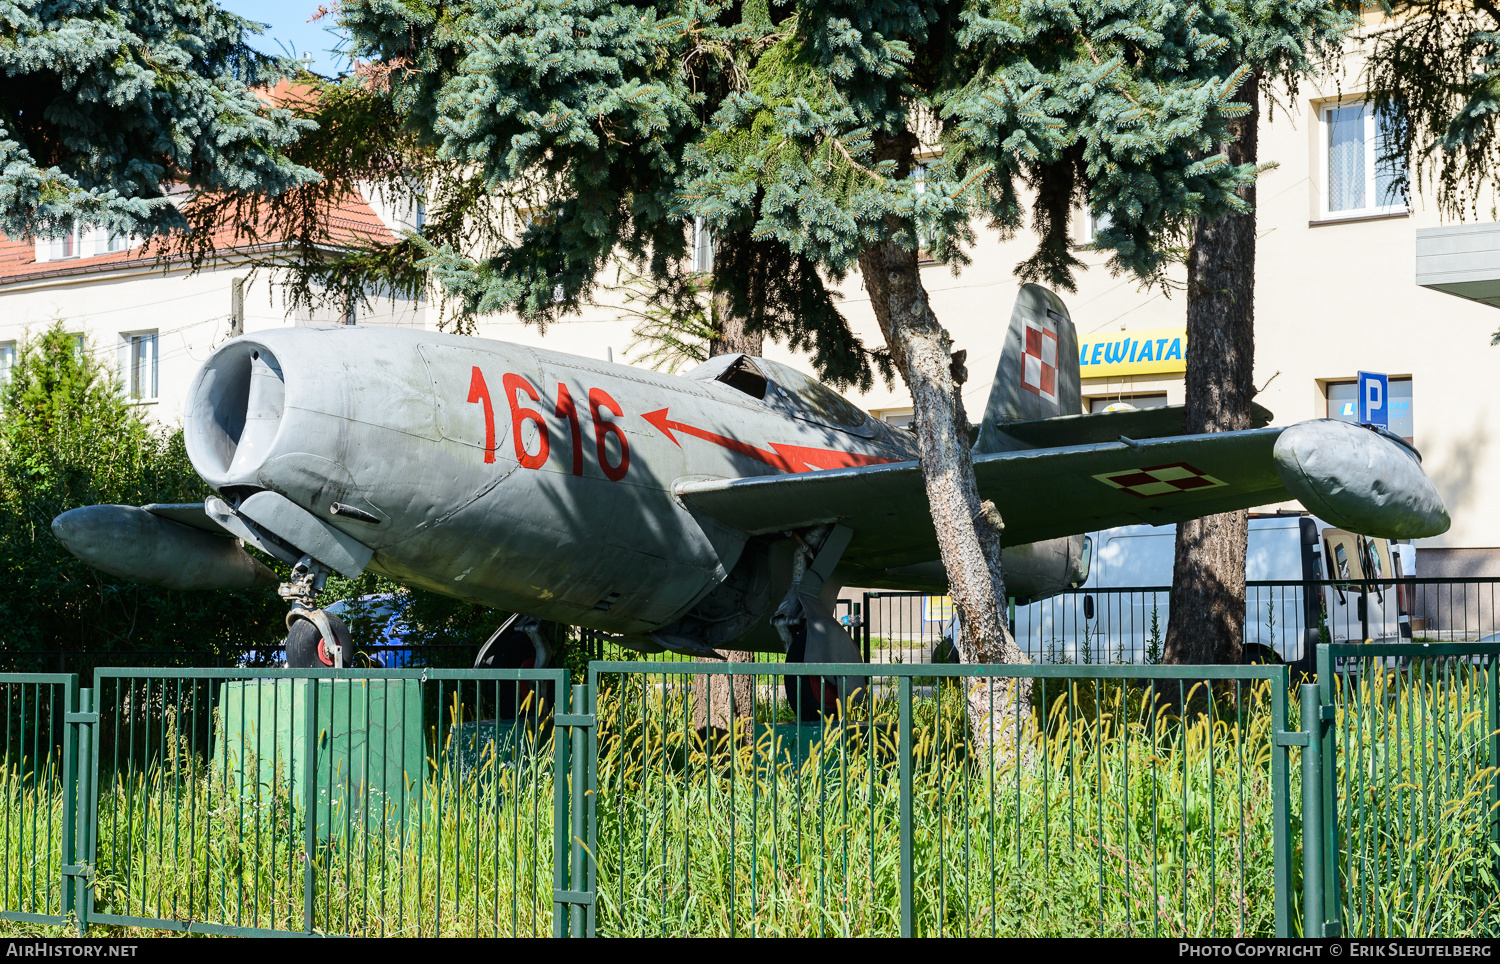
(1372, 395)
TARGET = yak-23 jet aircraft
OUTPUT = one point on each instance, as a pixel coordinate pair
(718, 510)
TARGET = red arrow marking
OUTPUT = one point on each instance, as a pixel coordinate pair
(787, 458)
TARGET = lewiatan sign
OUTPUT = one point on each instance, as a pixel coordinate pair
(1156, 351)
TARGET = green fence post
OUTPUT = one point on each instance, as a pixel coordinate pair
(1281, 806)
(310, 805)
(1312, 814)
(1325, 738)
(906, 817)
(591, 790)
(560, 849)
(68, 844)
(1492, 708)
(577, 811)
(83, 826)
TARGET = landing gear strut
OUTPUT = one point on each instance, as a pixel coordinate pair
(314, 639)
(810, 632)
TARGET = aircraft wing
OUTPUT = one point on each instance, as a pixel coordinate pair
(1046, 493)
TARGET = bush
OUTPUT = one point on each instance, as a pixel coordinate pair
(68, 438)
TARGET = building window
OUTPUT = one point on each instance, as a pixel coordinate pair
(7, 362)
(1343, 404)
(140, 364)
(897, 418)
(1094, 222)
(924, 231)
(1125, 403)
(81, 242)
(1359, 182)
(703, 247)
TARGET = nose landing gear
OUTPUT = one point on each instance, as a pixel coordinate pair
(314, 639)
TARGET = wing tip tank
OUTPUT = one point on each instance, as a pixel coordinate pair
(1359, 480)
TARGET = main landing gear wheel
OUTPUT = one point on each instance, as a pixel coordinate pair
(514, 649)
(306, 648)
(811, 697)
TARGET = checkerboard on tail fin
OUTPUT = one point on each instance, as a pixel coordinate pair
(1038, 372)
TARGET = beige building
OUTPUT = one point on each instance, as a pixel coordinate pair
(159, 322)
(1337, 293)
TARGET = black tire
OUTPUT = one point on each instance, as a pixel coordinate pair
(811, 697)
(513, 649)
(305, 648)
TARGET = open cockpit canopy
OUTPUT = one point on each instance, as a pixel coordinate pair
(787, 389)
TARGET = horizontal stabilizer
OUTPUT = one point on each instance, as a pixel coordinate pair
(1141, 423)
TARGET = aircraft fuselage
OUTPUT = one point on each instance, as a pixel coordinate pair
(523, 479)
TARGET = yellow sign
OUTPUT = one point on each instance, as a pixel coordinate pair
(1157, 351)
(937, 609)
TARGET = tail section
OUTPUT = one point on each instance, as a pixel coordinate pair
(1038, 373)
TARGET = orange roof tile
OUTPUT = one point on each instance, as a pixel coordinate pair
(352, 223)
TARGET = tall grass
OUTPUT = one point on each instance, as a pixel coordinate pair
(1123, 820)
(1417, 779)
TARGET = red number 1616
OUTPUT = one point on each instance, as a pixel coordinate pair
(599, 404)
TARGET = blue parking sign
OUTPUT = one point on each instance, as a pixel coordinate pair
(1374, 400)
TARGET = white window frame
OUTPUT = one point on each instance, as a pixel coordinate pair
(1093, 223)
(1325, 178)
(7, 362)
(702, 253)
(87, 242)
(919, 172)
(134, 345)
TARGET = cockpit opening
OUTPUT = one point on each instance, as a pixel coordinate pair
(745, 377)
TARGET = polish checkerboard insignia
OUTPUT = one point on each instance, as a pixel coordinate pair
(1160, 480)
(1039, 360)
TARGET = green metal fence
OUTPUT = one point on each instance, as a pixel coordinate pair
(755, 799)
(271, 801)
(38, 777)
(1145, 801)
(1410, 840)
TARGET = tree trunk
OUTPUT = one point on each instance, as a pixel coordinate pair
(1207, 619)
(968, 530)
(733, 338)
(711, 694)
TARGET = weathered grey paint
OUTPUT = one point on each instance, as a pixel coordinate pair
(1360, 480)
(142, 547)
(665, 504)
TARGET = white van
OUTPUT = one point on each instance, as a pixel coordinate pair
(1119, 613)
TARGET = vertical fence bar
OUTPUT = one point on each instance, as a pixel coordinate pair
(67, 849)
(1492, 713)
(310, 807)
(578, 796)
(905, 734)
(1325, 739)
(81, 827)
(1312, 813)
(560, 849)
(1281, 804)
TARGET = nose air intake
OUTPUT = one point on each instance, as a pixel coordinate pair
(234, 412)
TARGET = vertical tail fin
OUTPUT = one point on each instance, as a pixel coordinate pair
(1038, 372)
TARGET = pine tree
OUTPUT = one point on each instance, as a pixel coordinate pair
(1280, 44)
(107, 108)
(797, 126)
